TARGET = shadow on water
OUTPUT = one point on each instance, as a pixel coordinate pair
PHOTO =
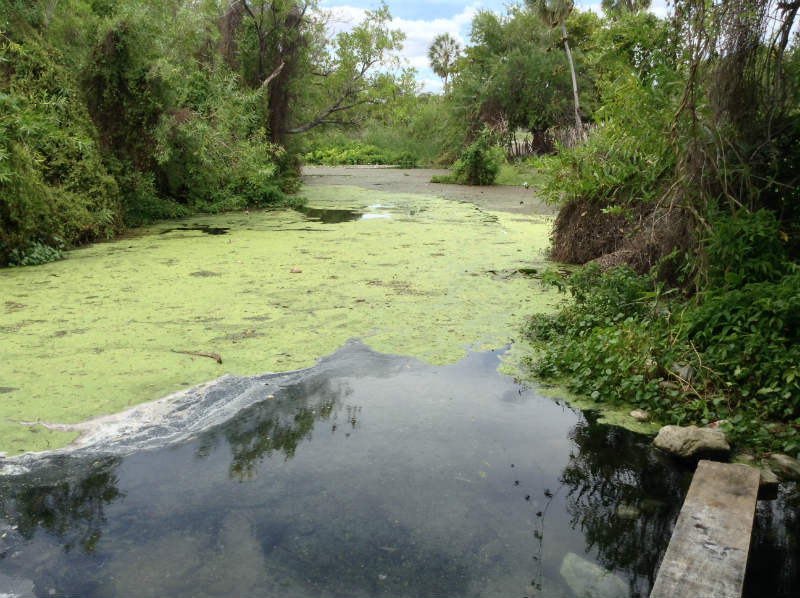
(773, 568)
(377, 475)
(209, 230)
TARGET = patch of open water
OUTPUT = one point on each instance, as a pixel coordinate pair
(208, 230)
(367, 475)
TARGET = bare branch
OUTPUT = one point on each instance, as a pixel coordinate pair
(323, 118)
(314, 123)
(274, 74)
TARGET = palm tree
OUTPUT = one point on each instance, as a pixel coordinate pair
(552, 13)
(617, 7)
(442, 55)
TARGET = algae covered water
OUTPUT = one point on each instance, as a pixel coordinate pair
(118, 324)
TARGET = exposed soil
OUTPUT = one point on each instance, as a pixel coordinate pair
(516, 200)
(583, 232)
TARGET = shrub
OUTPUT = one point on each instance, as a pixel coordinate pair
(750, 338)
(352, 153)
(54, 188)
(603, 343)
(620, 341)
(746, 248)
(627, 157)
(34, 254)
(480, 162)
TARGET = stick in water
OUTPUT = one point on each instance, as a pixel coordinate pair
(213, 356)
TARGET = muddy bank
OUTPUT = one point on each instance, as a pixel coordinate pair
(515, 200)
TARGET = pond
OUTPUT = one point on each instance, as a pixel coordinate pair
(403, 464)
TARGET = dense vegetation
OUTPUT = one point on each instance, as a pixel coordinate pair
(118, 113)
(686, 193)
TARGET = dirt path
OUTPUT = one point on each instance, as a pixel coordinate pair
(516, 200)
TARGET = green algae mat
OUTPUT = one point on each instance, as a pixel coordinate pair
(121, 323)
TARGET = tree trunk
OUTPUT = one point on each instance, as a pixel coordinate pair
(578, 122)
(278, 102)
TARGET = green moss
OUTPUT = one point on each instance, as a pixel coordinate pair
(96, 333)
(615, 415)
(19, 438)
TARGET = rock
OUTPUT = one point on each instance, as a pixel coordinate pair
(640, 415)
(685, 371)
(693, 442)
(786, 467)
(588, 580)
(744, 459)
(768, 482)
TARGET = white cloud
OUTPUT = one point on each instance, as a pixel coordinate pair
(419, 35)
(431, 85)
(659, 9)
(421, 32)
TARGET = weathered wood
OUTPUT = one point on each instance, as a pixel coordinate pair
(707, 555)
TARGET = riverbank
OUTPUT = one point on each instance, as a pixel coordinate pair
(496, 198)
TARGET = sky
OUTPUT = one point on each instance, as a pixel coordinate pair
(422, 20)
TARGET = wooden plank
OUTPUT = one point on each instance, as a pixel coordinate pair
(707, 555)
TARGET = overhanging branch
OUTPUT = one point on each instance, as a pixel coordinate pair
(326, 121)
(323, 119)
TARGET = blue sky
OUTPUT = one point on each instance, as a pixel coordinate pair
(422, 20)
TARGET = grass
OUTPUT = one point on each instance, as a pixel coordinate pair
(517, 173)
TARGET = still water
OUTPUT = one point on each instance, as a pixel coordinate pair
(368, 475)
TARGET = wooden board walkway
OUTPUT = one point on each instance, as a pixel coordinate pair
(707, 555)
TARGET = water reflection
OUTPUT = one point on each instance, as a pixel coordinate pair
(329, 215)
(281, 422)
(68, 502)
(203, 228)
(625, 498)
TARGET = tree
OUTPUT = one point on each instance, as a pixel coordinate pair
(509, 79)
(442, 55)
(615, 8)
(281, 48)
(555, 12)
